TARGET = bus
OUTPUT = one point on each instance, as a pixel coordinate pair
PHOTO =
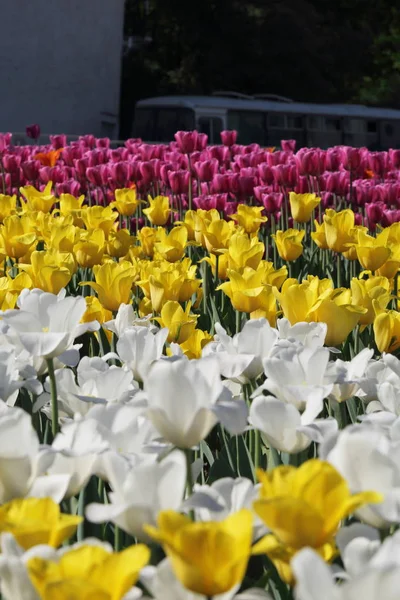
(266, 120)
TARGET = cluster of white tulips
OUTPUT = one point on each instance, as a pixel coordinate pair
(118, 439)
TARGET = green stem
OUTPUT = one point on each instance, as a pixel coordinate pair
(338, 270)
(189, 476)
(81, 513)
(53, 392)
(205, 288)
(117, 539)
(238, 321)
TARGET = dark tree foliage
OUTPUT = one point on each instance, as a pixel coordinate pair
(308, 50)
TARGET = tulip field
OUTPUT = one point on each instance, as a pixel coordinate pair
(200, 382)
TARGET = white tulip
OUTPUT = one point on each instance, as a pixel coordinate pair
(284, 428)
(47, 324)
(240, 358)
(126, 318)
(369, 460)
(139, 347)
(347, 375)
(314, 581)
(186, 399)
(140, 491)
(307, 334)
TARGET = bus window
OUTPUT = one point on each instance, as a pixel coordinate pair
(276, 121)
(294, 122)
(314, 123)
(250, 126)
(184, 120)
(166, 124)
(212, 127)
(332, 124)
(143, 126)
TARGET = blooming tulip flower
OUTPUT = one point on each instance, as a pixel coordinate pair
(297, 299)
(36, 200)
(217, 235)
(50, 270)
(113, 283)
(126, 201)
(139, 492)
(180, 323)
(247, 291)
(249, 217)
(303, 507)
(386, 329)
(288, 243)
(319, 235)
(8, 206)
(159, 210)
(35, 521)
(302, 206)
(208, 558)
(90, 248)
(17, 238)
(193, 346)
(139, 347)
(47, 325)
(338, 228)
(171, 246)
(365, 291)
(97, 217)
(244, 252)
(88, 571)
(372, 252)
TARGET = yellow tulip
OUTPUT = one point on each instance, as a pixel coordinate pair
(246, 290)
(36, 200)
(218, 235)
(147, 238)
(10, 289)
(159, 210)
(365, 291)
(351, 252)
(34, 521)
(391, 267)
(88, 572)
(113, 283)
(8, 206)
(297, 299)
(62, 237)
(338, 226)
(16, 237)
(119, 242)
(302, 206)
(97, 217)
(244, 252)
(303, 507)
(222, 261)
(319, 236)
(288, 243)
(249, 217)
(72, 207)
(334, 308)
(208, 557)
(126, 201)
(386, 329)
(50, 270)
(180, 323)
(189, 223)
(171, 246)
(193, 346)
(95, 311)
(272, 276)
(372, 252)
(89, 250)
(201, 221)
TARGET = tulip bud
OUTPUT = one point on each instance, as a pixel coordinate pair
(33, 131)
(229, 137)
(186, 141)
(58, 141)
(288, 145)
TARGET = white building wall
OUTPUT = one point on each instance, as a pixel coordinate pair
(60, 63)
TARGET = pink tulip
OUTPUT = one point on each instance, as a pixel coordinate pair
(229, 137)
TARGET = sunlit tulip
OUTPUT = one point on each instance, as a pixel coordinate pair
(119, 242)
(50, 158)
(210, 557)
(88, 572)
(217, 235)
(386, 329)
(139, 347)
(62, 238)
(365, 291)
(193, 346)
(17, 238)
(201, 220)
(8, 206)
(47, 325)
(10, 289)
(37, 200)
(113, 283)
(126, 201)
(180, 323)
(338, 229)
(289, 243)
(246, 290)
(302, 206)
(89, 250)
(244, 252)
(303, 507)
(34, 521)
(334, 308)
(159, 210)
(147, 237)
(50, 270)
(391, 267)
(319, 236)
(249, 217)
(372, 252)
(272, 276)
(139, 492)
(297, 299)
(97, 217)
(222, 261)
(171, 246)
(95, 311)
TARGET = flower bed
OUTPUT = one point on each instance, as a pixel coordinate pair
(200, 388)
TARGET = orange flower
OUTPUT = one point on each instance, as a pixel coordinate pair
(49, 159)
